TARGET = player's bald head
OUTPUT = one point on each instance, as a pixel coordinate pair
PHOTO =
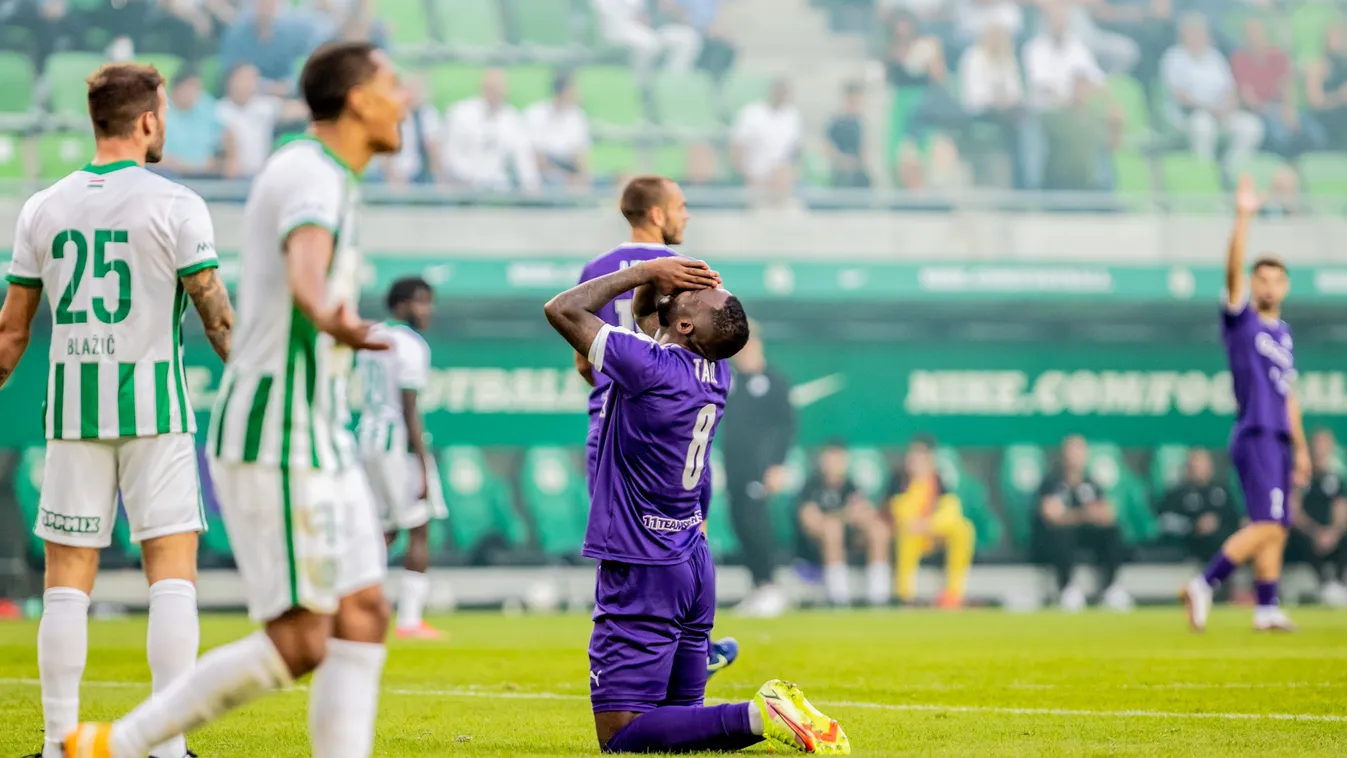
(712, 322)
(641, 195)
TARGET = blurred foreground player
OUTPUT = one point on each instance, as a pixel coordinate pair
(657, 212)
(1268, 443)
(655, 593)
(305, 537)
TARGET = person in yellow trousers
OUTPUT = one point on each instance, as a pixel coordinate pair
(926, 517)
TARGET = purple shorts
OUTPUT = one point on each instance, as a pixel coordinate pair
(1263, 462)
(652, 633)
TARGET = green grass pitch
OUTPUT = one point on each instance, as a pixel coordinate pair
(902, 683)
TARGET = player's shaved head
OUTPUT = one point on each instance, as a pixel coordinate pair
(656, 209)
(331, 73)
(120, 94)
(641, 195)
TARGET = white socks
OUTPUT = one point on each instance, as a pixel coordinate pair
(344, 699)
(225, 678)
(755, 724)
(62, 649)
(878, 577)
(171, 645)
(412, 598)
(835, 581)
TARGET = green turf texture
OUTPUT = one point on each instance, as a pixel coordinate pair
(901, 683)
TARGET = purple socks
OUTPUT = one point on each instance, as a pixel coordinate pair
(1220, 569)
(687, 729)
(1267, 593)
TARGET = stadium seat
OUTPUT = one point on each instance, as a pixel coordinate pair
(1324, 173)
(740, 89)
(209, 69)
(528, 85)
(1261, 166)
(543, 27)
(719, 528)
(611, 97)
(1133, 172)
(28, 491)
(870, 473)
(166, 65)
(65, 74)
(408, 27)
(1109, 468)
(478, 500)
(1167, 465)
(1131, 98)
(471, 27)
(13, 163)
(1022, 470)
(972, 495)
(685, 102)
(16, 88)
(670, 160)
(451, 82)
(1186, 174)
(784, 505)
(60, 153)
(556, 498)
(609, 160)
(1309, 24)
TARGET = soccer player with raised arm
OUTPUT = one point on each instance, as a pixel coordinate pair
(655, 594)
(393, 447)
(1267, 445)
(657, 212)
(118, 250)
(305, 537)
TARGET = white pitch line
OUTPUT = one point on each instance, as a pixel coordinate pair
(910, 707)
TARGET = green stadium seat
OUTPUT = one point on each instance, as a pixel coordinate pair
(611, 97)
(1261, 166)
(65, 74)
(685, 102)
(1324, 173)
(1109, 468)
(609, 160)
(542, 25)
(13, 163)
(783, 505)
(719, 529)
(1186, 174)
(870, 473)
(740, 89)
(451, 82)
(60, 153)
(670, 160)
(556, 498)
(166, 65)
(1131, 98)
(1167, 464)
(1133, 172)
(478, 500)
(471, 26)
(28, 491)
(406, 20)
(528, 85)
(1309, 24)
(209, 68)
(972, 494)
(17, 85)
(1023, 467)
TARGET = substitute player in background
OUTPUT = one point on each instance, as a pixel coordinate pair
(118, 250)
(1268, 443)
(393, 448)
(655, 593)
(305, 538)
(657, 212)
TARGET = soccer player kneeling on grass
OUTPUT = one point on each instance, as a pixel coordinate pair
(928, 517)
(656, 584)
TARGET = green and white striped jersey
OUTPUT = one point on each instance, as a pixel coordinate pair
(109, 244)
(276, 403)
(405, 365)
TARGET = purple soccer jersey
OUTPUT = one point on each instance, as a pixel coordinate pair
(1262, 369)
(649, 491)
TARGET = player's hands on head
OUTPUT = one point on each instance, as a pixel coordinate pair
(346, 327)
(1247, 201)
(670, 275)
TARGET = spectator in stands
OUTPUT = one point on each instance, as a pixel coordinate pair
(1284, 198)
(484, 137)
(846, 140)
(1116, 53)
(927, 516)
(1061, 73)
(765, 143)
(1074, 512)
(1321, 521)
(195, 140)
(50, 22)
(917, 70)
(349, 20)
(1081, 141)
(184, 27)
(419, 160)
(250, 117)
(271, 38)
(992, 90)
(1326, 86)
(1150, 23)
(625, 23)
(830, 504)
(703, 167)
(1198, 513)
(974, 16)
(559, 132)
(718, 50)
(1203, 101)
(1267, 86)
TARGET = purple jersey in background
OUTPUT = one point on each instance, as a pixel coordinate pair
(648, 493)
(1262, 369)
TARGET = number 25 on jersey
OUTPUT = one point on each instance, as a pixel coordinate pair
(73, 241)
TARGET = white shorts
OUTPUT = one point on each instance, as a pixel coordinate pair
(395, 479)
(157, 478)
(302, 538)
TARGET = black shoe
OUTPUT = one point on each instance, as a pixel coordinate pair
(190, 754)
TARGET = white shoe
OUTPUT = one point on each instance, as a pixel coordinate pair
(1333, 595)
(1272, 620)
(1196, 596)
(768, 601)
(1073, 599)
(1116, 599)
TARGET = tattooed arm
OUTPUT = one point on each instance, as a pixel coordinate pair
(212, 303)
(16, 320)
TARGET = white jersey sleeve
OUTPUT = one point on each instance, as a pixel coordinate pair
(25, 267)
(306, 202)
(413, 361)
(194, 238)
